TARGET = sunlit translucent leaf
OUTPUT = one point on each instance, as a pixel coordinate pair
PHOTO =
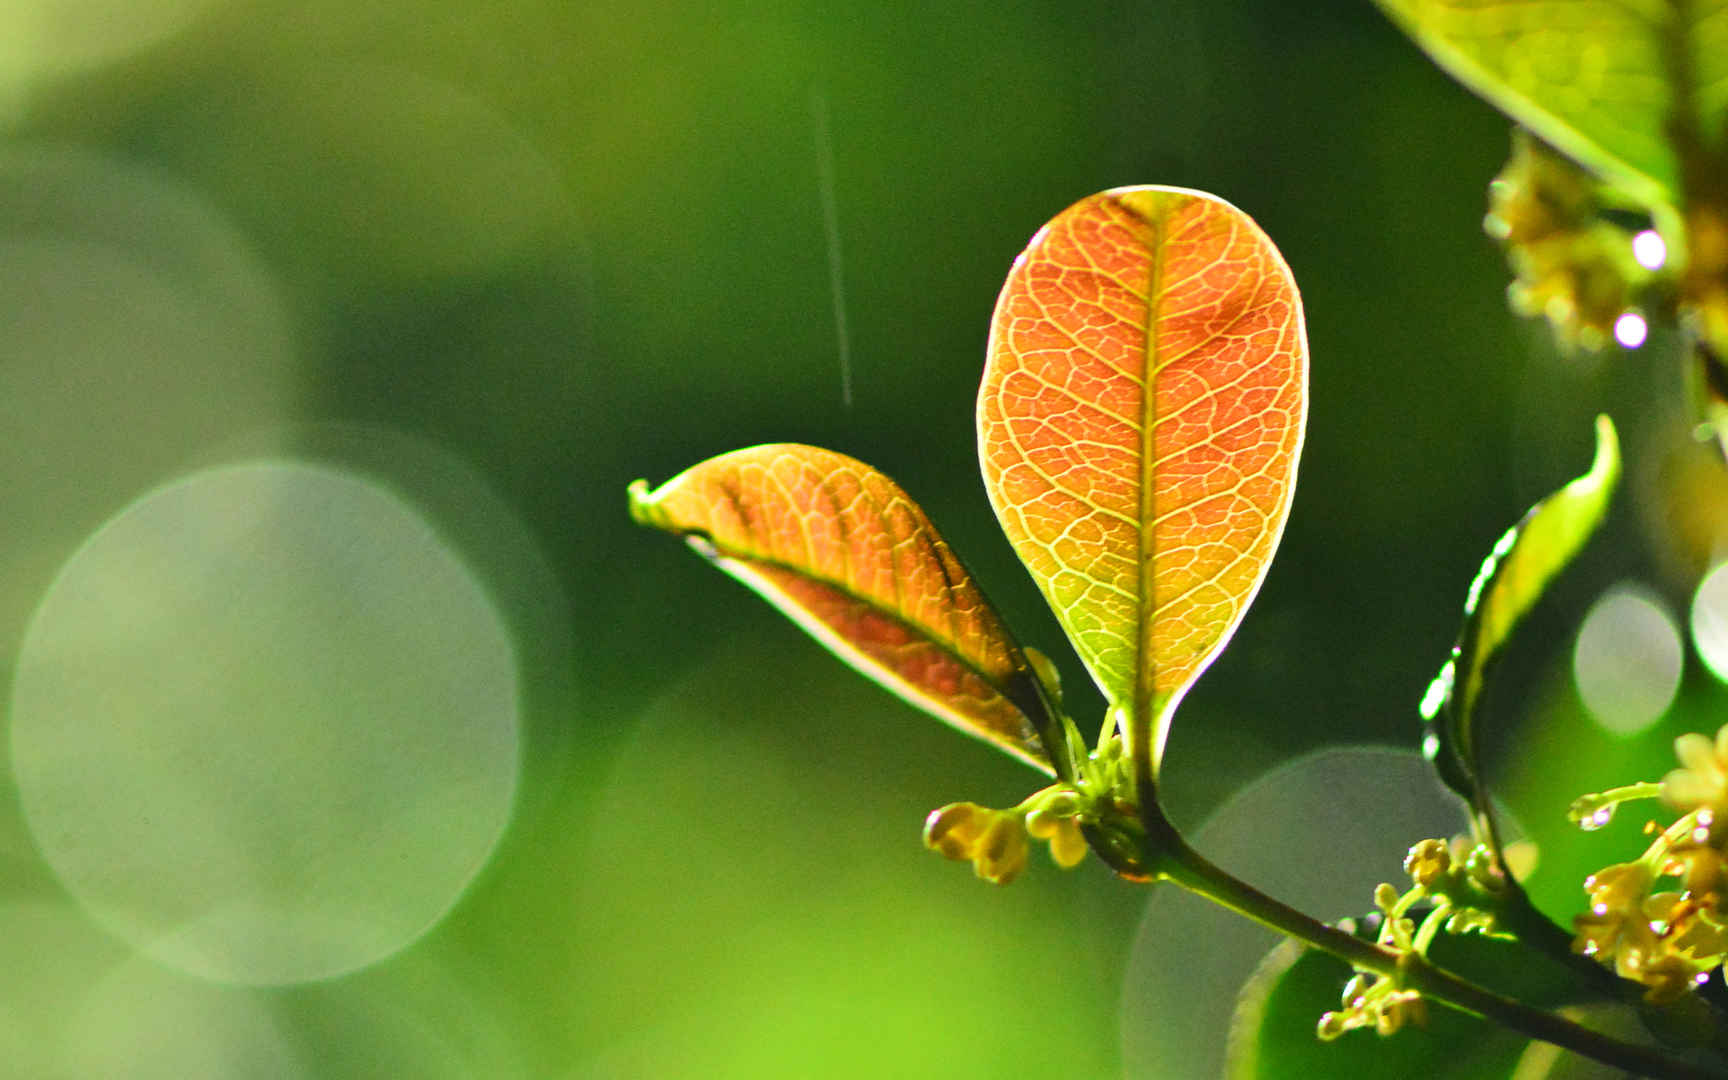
(847, 555)
(1272, 1035)
(1608, 82)
(1513, 578)
(1139, 422)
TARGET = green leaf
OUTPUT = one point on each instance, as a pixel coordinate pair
(847, 555)
(1272, 1036)
(1622, 86)
(1513, 578)
(1139, 424)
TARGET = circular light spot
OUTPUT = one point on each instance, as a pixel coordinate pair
(137, 329)
(265, 724)
(1627, 660)
(498, 546)
(1649, 249)
(1630, 329)
(1710, 621)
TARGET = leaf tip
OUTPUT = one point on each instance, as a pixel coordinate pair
(1598, 483)
(1605, 468)
(1154, 202)
(642, 508)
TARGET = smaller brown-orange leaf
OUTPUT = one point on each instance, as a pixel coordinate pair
(846, 554)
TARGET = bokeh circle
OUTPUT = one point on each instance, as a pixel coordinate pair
(1628, 659)
(265, 724)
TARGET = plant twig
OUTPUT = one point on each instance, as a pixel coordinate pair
(1168, 856)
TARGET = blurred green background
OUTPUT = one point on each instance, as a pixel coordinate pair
(355, 730)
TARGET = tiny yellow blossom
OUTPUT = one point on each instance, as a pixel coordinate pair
(1701, 781)
(1002, 850)
(1372, 1001)
(994, 841)
(953, 830)
(1068, 844)
(1428, 862)
(1668, 976)
(1617, 895)
(1699, 867)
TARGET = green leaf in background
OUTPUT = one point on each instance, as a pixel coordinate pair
(1619, 85)
(843, 552)
(1272, 1036)
(1512, 579)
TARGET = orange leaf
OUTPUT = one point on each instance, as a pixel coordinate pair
(1139, 423)
(845, 553)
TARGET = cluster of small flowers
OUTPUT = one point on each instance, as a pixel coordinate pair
(996, 841)
(1571, 265)
(1671, 938)
(1465, 873)
(1449, 874)
(1373, 1001)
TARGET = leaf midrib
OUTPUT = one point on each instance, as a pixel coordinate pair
(1145, 663)
(949, 647)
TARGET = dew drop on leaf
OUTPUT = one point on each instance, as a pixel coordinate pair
(1649, 249)
(1630, 330)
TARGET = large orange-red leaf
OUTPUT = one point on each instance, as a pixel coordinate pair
(1139, 423)
(844, 552)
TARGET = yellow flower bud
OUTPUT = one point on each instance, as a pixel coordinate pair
(1385, 897)
(1068, 844)
(1041, 824)
(1002, 850)
(1428, 862)
(954, 830)
(1332, 1025)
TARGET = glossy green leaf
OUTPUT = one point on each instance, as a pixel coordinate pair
(1512, 579)
(1611, 83)
(1139, 423)
(848, 556)
(1272, 1036)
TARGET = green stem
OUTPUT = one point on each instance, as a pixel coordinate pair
(1431, 925)
(1586, 807)
(1170, 857)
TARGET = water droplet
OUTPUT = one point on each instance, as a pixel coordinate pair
(1597, 818)
(1649, 249)
(1436, 695)
(1630, 329)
